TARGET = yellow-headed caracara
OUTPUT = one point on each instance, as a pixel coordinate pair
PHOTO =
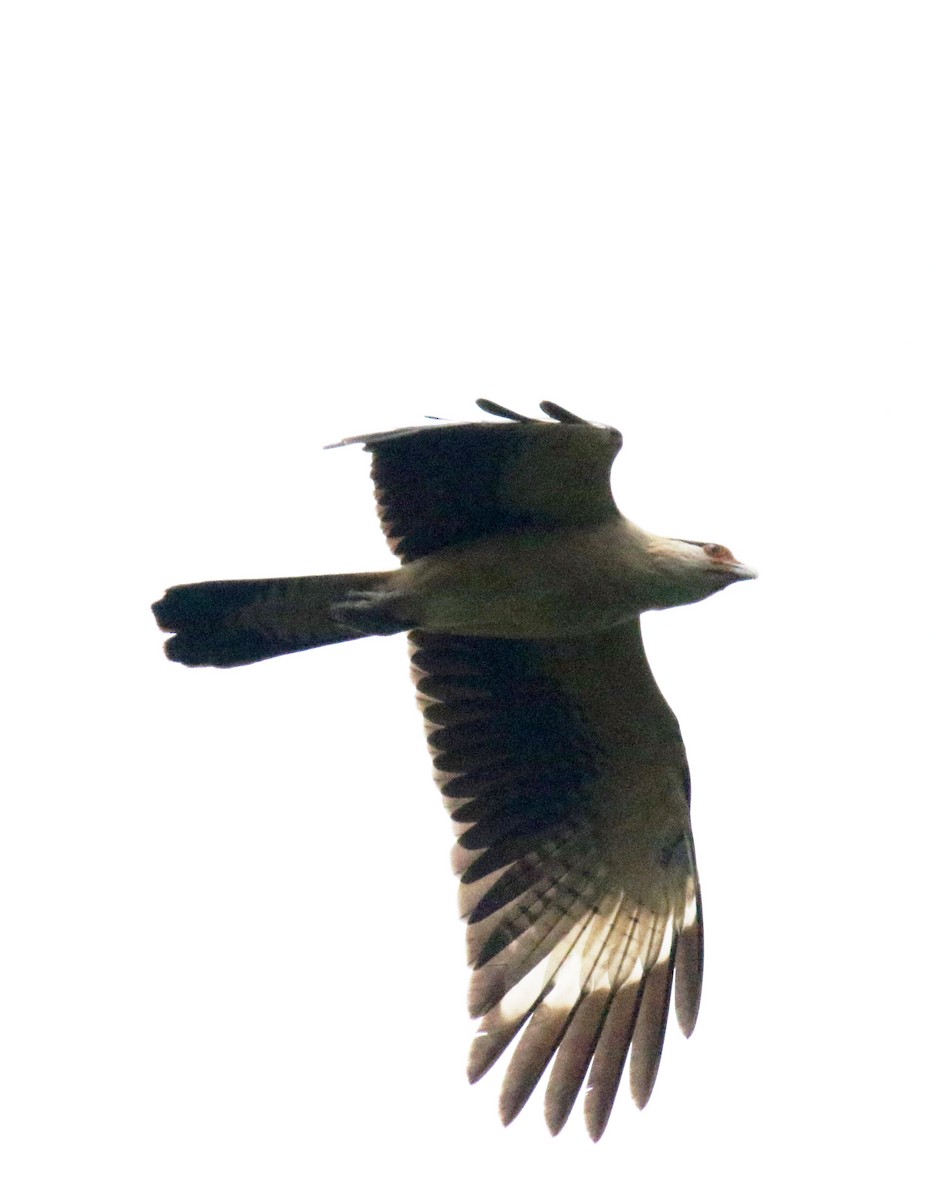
(559, 760)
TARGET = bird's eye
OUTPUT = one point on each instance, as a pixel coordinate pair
(717, 553)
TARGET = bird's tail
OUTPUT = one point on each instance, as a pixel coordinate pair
(233, 622)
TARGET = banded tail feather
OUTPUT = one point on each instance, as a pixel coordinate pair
(230, 623)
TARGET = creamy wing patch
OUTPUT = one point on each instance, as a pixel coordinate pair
(578, 883)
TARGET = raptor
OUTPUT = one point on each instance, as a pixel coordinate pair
(561, 765)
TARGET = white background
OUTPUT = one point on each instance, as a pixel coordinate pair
(231, 964)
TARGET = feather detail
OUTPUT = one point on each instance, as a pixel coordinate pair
(573, 950)
(688, 972)
(609, 1057)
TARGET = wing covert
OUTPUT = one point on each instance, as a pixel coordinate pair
(442, 485)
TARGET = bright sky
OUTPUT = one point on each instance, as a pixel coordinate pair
(236, 232)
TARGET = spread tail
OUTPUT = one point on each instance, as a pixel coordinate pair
(234, 622)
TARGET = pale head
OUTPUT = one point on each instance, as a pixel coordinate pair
(689, 571)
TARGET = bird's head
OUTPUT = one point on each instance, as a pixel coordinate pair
(691, 571)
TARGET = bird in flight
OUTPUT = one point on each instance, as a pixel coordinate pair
(560, 763)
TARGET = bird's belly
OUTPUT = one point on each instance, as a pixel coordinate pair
(522, 585)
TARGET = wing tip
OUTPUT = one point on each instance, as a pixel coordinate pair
(492, 409)
(555, 411)
(688, 975)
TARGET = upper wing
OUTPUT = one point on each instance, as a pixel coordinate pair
(564, 772)
(439, 485)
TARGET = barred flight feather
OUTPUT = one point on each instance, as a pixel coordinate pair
(572, 961)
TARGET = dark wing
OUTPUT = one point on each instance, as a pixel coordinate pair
(564, 772)
(440, 485)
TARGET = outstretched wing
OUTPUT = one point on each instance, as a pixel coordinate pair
(565, 775)
(440, 485)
